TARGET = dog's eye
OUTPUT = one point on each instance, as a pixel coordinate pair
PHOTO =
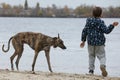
(61, 42)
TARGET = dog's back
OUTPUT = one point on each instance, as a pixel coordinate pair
(32, 39)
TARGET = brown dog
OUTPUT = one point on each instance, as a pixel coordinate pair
(37, 41)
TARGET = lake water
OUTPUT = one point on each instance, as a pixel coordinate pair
(72, 60)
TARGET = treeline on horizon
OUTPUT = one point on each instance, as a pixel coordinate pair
(82, 11)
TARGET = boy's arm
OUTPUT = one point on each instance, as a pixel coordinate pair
(83, 37)
(84, 31)
(84, 34)
(108, 29)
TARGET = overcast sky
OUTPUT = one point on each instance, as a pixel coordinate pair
(62, 3)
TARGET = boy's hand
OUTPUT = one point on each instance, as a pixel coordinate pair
(115, 23)
(82, 44)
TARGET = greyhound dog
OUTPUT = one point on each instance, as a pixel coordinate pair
(37, 41)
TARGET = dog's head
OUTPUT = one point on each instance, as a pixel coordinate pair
(58, 42)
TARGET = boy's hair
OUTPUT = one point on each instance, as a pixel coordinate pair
(97, 11)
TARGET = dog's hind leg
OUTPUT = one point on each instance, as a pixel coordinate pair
(34, 60)
(48, 59)
(19, 56)
(11, 59)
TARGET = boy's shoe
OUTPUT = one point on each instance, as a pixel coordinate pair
(91, 72)
(104, 72)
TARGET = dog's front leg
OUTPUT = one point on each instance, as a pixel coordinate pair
(48, 58)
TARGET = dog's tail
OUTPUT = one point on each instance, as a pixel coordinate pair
(8, 46)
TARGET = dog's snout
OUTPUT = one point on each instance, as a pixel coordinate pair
(64, 47)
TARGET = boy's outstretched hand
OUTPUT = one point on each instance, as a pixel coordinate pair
(115, 23)
(82, 44)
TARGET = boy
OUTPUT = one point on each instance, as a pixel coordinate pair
(94, 32)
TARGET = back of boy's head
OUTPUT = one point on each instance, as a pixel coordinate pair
(97, 11)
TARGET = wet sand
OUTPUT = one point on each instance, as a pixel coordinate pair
(27, 75)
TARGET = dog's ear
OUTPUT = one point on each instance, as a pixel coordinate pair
(58, 36)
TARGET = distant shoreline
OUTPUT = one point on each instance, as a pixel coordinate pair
(49, 17)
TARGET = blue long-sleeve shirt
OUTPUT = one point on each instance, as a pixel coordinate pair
(94, 31)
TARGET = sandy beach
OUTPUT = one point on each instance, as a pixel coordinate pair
(27, 75)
